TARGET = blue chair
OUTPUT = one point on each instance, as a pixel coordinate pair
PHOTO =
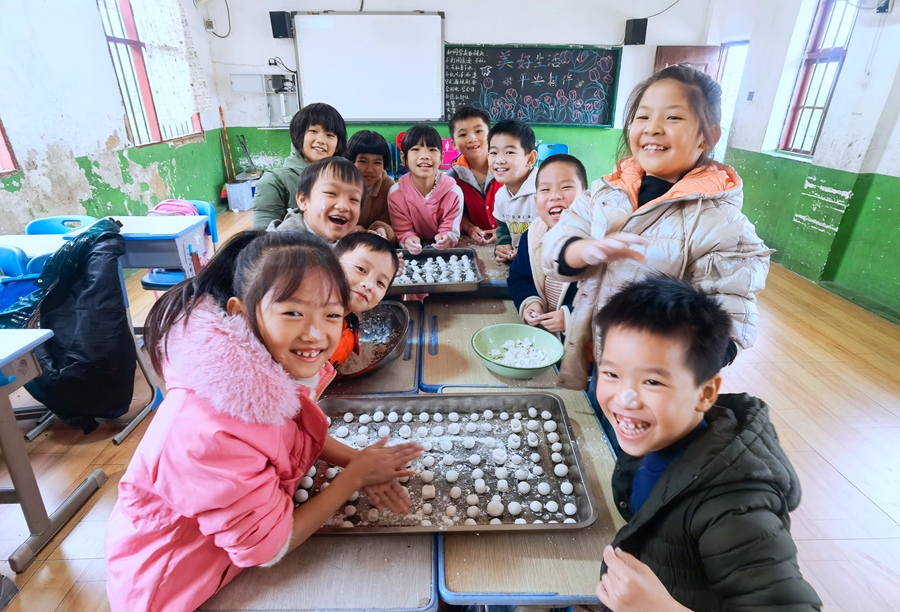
(62, 224)
(13, 261)
(36, 264)
(163, 280)
(546, 149)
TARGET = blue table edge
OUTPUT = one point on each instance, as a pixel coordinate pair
(25, 348)
(201, 220)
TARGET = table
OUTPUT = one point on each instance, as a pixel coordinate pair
(34, 245)
(341, 572)
(18, 365)
(537, 569)
(159, 242)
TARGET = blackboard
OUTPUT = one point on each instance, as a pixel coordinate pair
(571, 85)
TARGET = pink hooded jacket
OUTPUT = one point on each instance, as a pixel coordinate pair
(209, 489)
(414, 215)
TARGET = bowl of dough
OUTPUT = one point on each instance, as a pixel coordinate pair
(382, 338)
(517, 351)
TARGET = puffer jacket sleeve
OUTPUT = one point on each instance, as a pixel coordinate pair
(231, 489)
(401, 218)
(271, 200)
(749, 556)
(733, 263)
(575, 222)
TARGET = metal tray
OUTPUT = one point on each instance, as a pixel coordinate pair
(459, 287)
(386, 325)
(464, 405)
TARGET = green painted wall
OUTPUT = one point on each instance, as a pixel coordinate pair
(832, 226)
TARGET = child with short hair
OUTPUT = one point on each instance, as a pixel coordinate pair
(512, 156)
(370, 264)
(541, 300)
(330, 195)
(469, 127)
(668, 193)
(370, 152)
(243, 347)
(317, 131)
(425, 204)
(703, 482)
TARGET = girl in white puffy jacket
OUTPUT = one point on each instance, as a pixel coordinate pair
(685, 206)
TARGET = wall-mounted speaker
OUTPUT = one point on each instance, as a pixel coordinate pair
(635, 31)
(282, 24)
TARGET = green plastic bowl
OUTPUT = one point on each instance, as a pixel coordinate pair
(493, 337)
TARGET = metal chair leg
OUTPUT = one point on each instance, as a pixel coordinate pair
(42, 425)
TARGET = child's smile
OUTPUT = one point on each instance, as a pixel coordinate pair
(558, 186)
(509, 163)
(370, 274)
(318, 143)
(423, 161)
(470, 137)
(332, 209)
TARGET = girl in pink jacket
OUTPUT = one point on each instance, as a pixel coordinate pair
(425, 204)
(244, 350)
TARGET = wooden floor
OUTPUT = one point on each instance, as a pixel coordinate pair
(829, 369)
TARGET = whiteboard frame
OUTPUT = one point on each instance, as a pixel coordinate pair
(442, 85)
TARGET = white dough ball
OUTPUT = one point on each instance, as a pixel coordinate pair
(365, 418)
(535, 457)
(532, 412)
(551, 506)
(407, 417)
(504, 416)
(350, 510)
(499, 456)
(520, 521)
(422, 432)
(488, 414)
(543, 488)
(448, 460)
(474, 459)
(373, 515)
(521, 474)
(569, 520)
(348, 417)
(524, 487)
(446, 446)
(486, 427)
(495, 508)
(403, 478)
(480, 487)
(428, 461)
(427, 509)
(447, 521)
(495, 498)
(532, 425)
(472, 511)
(346, 525)
(570, 509)
(553, 437)
(516, 459)
(330, 473)
(489, 443)
(469, 442)
(362, 440)
(477, 473)
(473, 416)
(393, 417)
(453, 417)
(560, 469)
(502, 486)
(438, 417)
(428, 491)
(328, 419)
(362, 430)
(342, 431)
(426, 476)
(452, 476)
(455, 492)
(472, 499)
(426, 523)
(556, 457)
(384, 431)
(514, 508)
(353, 496)
(438, 431)
(470, 522)
(453, 428)
(556, 447)
(537, 522)
(450, 511)
(566, 488)
(378, 416)
(324, 486)
(533, 439)
(471, 427)
(546, 415)
(501, 472)
(423, 417)
(514, 441)
(550, 426)
(515, 426)
(517, 415)
(536, 506)
(496, 521)
(537, 470)
(312, 472)
(405, 431)
(301, 496)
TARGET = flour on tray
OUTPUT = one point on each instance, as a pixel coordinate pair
(519, 354)
(438, 270)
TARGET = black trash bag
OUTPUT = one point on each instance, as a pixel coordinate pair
(88, 365)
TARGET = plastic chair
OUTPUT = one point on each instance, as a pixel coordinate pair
(450, 153)
(13, 261)
(36, 264)
(401, 169)
(390, 169)
(546, 149)
(163, 280)
(62, 224)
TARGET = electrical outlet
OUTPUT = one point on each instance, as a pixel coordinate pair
(209, 25)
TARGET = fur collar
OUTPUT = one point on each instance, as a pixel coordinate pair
(218, 358)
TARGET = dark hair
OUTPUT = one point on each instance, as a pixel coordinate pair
(249, 266)
(340, 168)
(705, 97)
(565, 158)
(322, 114)
(420, 134)
(518, 130)
(371, 143)
(370, 241)
(468, 112)
(665, 306)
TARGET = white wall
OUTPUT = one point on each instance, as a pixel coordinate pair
(596, 22)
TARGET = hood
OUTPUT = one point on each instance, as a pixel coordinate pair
(462, 171)
(296, 162)
(702, 182)
(217, 357)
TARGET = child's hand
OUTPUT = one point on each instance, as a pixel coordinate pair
(413, 244)
(377, 464)
(480, 236)
(442, 241)
(554, 322)
(401, 264)
(533, 313)
(629, 584)
(380, 231)
(390, 495)
(613, 247)
(504, 253)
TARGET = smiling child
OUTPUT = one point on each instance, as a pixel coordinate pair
(512, 156)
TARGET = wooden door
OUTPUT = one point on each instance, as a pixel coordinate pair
(702, 58)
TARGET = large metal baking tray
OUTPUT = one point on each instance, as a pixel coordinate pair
(459, 287)
(464, 405)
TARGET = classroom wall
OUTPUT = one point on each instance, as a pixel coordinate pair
(833, 217)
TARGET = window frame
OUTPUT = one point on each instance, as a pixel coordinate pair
(136, 48)
(9, 165)
(814, 56)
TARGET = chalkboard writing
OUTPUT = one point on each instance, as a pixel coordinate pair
(542, 85)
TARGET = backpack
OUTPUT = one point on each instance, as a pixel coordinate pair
(173, 208)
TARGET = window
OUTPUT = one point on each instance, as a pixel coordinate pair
(819, 73)
(155, 68)
(7, 161)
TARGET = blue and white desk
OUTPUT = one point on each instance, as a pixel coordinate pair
(18, 365)
(34, 245)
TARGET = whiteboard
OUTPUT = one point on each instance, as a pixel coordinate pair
(372, 66)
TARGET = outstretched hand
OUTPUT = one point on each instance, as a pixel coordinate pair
(389, 495)
(612, 248)
(379, 463)
(629, 584)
